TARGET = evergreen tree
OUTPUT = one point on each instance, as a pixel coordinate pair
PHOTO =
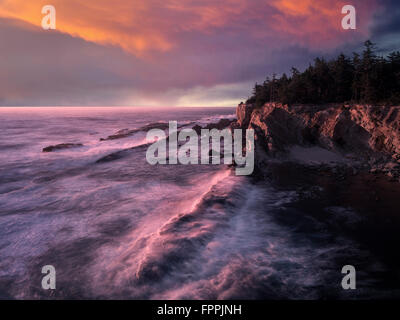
(368, 73)
(365, 78)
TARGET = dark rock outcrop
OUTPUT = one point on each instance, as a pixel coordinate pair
(220, 125)
(62, 146)
(243, 114)
(120, 153)
(123, 133)
(366, 133)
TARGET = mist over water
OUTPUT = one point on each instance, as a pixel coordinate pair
(126, 229)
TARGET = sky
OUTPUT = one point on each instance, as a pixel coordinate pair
(172, 52)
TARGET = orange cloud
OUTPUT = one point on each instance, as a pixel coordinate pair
(140, 26)
(127, 24)
(318, 22)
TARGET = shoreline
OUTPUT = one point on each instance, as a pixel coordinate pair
(361, 207)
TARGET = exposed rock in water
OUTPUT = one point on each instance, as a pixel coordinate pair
(112, 156)
(197, 128)
(123, 133)
(120, 134)
(62, 146)
(120, 154)
(370, 134)
(220, 125)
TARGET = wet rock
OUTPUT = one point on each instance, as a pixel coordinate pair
(121, 153)
(243, 114)
(123, 133)
(119, 134)
(358, 129)
(371, 134)
(111, 157)
(391, 166)
(197, 128)
(61, 146)
(220, 125)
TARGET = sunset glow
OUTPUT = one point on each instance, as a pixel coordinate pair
(172, 47)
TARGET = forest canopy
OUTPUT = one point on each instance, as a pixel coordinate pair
(363, 78)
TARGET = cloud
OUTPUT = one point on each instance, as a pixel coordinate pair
(164, 52)
(141, 26)
(53, 68)
(385, 27)
(390, 10)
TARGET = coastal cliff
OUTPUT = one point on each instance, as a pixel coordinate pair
(369, 135)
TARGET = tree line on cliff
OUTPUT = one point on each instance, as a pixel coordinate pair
(364, 78)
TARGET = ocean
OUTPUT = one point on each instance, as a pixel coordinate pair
(124, 229)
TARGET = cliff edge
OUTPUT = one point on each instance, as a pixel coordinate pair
(367, 134)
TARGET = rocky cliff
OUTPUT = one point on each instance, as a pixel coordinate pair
(368, 134)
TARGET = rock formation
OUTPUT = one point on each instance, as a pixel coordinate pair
(370, 134)
(61, 146)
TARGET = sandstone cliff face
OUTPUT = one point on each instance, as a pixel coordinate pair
(363, 132)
